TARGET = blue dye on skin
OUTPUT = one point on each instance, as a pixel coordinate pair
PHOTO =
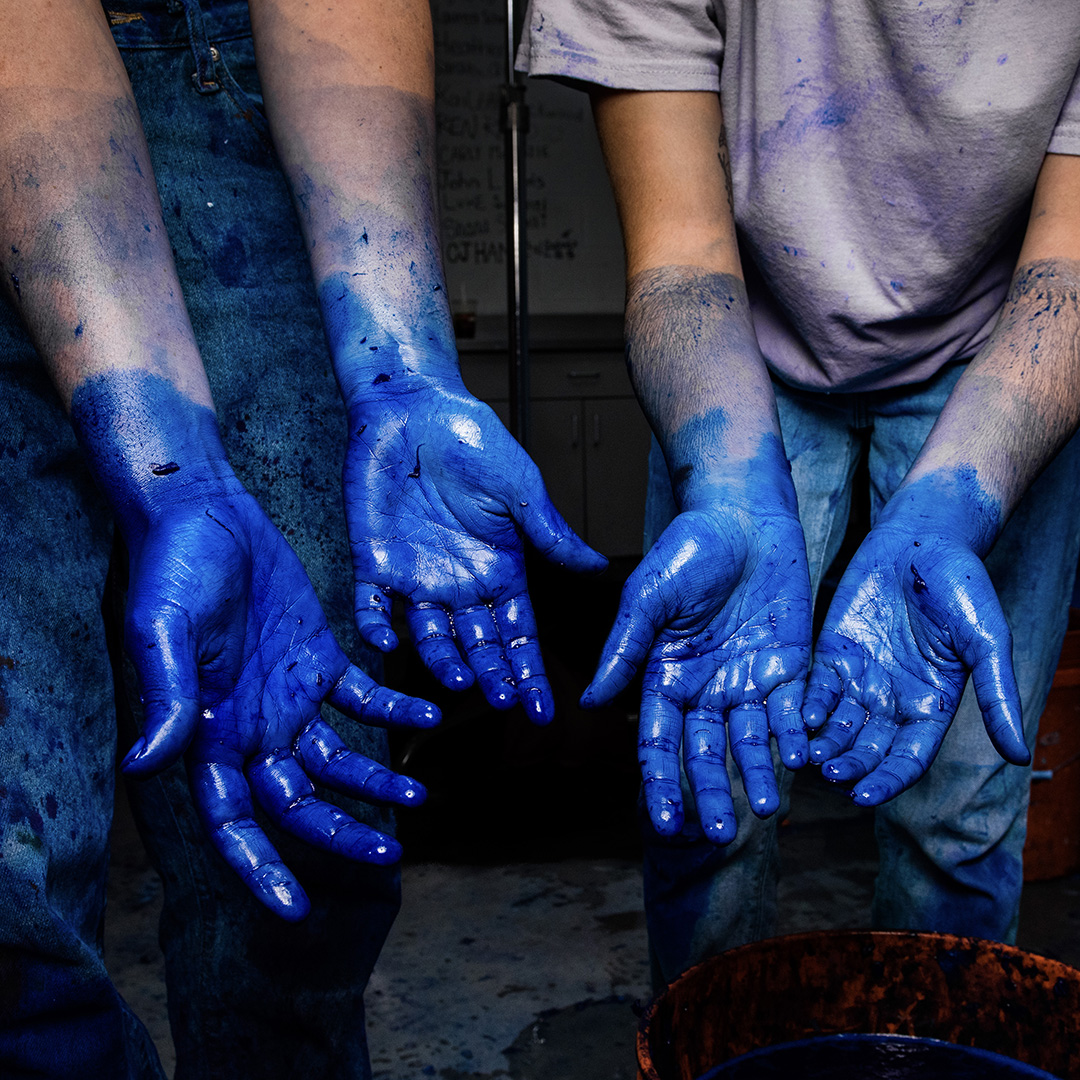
(884, 695)
(357, 327)
(130, 421)
(439, 500)
(232, 650)
(718, 612)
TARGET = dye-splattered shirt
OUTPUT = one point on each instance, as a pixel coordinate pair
(883, 155)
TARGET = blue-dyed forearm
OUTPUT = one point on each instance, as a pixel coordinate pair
(694, 361)
(718, 612)
(1017, 403)
(915, 612)
(148, 446)
(233, 652)
(439, 498)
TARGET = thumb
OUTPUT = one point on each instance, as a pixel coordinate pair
(998, 696)
(984, 645)
(549, 532)
(628, 643)
(162, 650)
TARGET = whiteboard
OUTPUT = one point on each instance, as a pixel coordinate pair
(575, 255)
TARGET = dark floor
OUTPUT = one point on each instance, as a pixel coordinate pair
(520, 949)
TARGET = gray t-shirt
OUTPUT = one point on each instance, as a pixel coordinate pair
(883, 155)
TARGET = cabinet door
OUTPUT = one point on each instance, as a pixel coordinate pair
(616, 465)
(556, 445)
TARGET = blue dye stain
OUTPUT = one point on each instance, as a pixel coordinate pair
(837, 111)
(150, 401)
(15, 282)
(231, 262)
(573, 52)
(79, 330)
(380, 378)
(1003, 58)
(896, 285)
(114, 146)
(791, 250)
(919, 584)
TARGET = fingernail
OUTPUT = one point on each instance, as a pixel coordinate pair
(422, 713)
(137, 750)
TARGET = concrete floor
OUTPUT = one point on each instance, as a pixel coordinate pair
(537, 970)
(520, 950)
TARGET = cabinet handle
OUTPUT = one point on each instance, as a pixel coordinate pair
(583, 374)
(573, 429)
(596, 429)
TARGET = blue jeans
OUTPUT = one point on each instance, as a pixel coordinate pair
(248, 994)
(950, 847)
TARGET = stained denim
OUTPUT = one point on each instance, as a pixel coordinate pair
(950, 847)
(248, 994)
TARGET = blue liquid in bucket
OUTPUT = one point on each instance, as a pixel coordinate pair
(873, 1057)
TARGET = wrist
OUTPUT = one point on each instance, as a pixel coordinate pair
(950, 504)
(148, 446)
(382, 347)
(704, 476)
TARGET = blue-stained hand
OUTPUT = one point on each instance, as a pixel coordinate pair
(719, 610)
(234, 657)
(439, 499)
(913, 614)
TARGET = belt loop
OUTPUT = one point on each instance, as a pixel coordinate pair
(205, 75)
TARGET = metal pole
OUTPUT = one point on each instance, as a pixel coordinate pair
(515, 124)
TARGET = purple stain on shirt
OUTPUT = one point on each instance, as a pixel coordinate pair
(573, 52)
(837, 110)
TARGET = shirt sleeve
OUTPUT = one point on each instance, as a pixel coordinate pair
(1066, 136)
(624, 44)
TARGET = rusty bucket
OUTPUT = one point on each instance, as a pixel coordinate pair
(934, 986)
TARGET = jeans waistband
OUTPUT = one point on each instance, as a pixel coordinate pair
(167, 24)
